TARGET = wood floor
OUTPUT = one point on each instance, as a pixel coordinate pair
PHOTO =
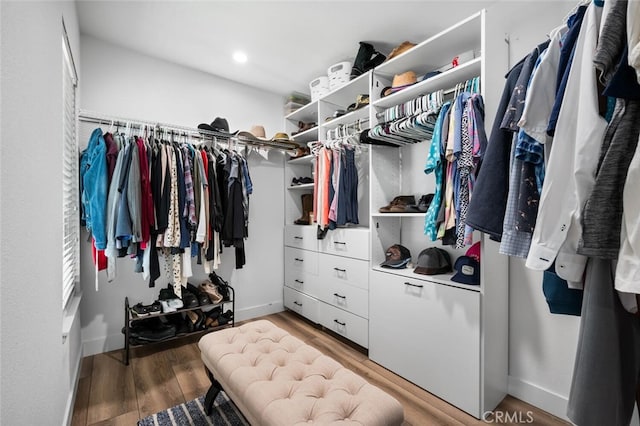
(163, 375)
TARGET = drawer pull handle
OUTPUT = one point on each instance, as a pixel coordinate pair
(339, 242)
(297, 238)
(339, 270)
(414, 285)
(340, 296)
(299, 282)
(340, 323)
(297, 259)
(296, 303)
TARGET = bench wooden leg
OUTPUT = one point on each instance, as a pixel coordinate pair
(212, 393)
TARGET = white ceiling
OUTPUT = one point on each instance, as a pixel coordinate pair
(289, 43)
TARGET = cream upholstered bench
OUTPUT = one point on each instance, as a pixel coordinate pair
(276, 379)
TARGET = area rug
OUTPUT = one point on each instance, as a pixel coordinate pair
(192, 413)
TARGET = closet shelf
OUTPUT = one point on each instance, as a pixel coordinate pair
(306, 136)
(303, 186)
(307, 113)
(306, 160)
(443, 279)
(346, 94)
(421, 215)
(447, 79)
(351, 117)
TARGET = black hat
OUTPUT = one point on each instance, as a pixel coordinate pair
(397, 256)
(218, 125)
(433, 261)
(467, 271)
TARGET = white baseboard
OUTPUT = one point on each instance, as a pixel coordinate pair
(71, 399)
(544, 399)
(258, 311)
(116, 341)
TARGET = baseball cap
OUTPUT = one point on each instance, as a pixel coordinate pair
(396, 256)
(433, 261)
(467, 271)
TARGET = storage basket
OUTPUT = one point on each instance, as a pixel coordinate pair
(339, 74)
(319, 87)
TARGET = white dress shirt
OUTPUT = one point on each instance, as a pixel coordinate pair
(570, 173)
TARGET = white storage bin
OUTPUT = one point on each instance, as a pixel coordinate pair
(339, 74)
(319, 87)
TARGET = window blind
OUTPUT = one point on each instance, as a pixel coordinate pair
(70, 176)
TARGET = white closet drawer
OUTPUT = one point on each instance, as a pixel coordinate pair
(346, 297)
(428, 333)
(301, 303)
(304, 237)
(347, 242)
(303, 282)
(300, 260)
(337, 269)
(344, 323)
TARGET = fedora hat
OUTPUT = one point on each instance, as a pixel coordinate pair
(219, 125)
(280, 137)
(400, 49)
(400, 81)
(258, 132)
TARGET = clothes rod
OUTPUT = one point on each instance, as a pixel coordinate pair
(91, 117)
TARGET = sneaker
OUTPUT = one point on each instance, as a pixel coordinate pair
(203, 299)
(140, 310)
(175, 303)
(154, 308)
(166, 308)
(189, 299)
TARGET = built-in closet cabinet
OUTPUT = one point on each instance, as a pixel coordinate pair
(327, 280)
(448, 338)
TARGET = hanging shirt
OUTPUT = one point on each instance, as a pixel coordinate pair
(571, 171)
(434, 165)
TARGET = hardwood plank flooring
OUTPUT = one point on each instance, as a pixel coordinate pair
(166, 374)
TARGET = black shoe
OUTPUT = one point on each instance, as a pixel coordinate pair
(303, 180)
(140, 310)
(422, 206)
(167, 293)
(203, 299)
(189, 300)
(154, 308)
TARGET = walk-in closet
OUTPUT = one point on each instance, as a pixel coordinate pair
(286, 212)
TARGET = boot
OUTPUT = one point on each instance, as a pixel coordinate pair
(307, 208)
(365, 52)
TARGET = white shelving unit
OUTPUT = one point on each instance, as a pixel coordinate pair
(449, 338)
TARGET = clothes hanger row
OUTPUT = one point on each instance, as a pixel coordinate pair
(430, 102)
(162, 131)
(349, 129)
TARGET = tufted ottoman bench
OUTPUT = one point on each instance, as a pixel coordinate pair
(276, 379)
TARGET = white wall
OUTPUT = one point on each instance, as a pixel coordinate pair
(123, 83)
(38, 370)
(542, 346)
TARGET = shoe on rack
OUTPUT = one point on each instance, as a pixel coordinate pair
(422, 206)
(166, 308)
(307, 209)
(304, 180)
(223, 286)
(139, 310)
(189, 299)
(203, 299)
(212, 291)
(175, 303)
(197, 318)
(154, 308)
(398, 204)
(225, 318)
(167, 293)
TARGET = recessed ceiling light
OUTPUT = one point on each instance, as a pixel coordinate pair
(240, 57)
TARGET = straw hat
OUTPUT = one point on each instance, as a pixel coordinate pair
(400, 49)
(400, 81)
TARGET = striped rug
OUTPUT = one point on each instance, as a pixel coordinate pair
(192, 413)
